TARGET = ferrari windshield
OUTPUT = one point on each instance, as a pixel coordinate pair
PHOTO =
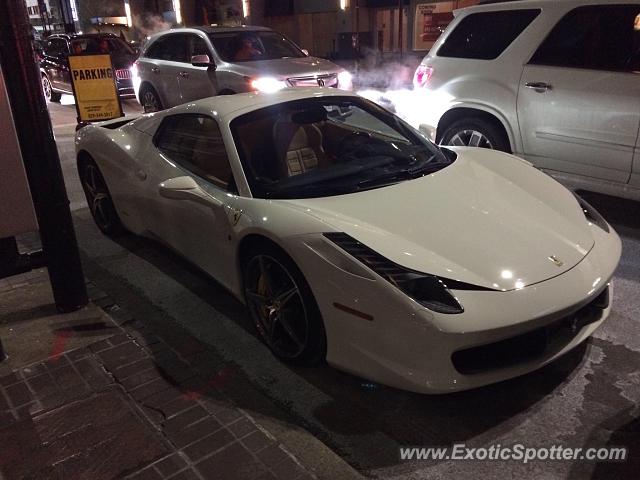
(249, 46)
(327, 146)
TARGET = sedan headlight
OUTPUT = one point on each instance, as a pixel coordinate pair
(592, 215)
(345, 80)
(268, 84)
(429, 290)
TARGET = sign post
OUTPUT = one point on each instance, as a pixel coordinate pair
(94, 87)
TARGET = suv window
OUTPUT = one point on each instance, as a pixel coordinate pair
(484, 36)
(604, 37)
(56, 47)
(170, 47)
(195, 142)
(199, 46)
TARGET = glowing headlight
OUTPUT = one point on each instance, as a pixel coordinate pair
(345, 80)
(268, 84)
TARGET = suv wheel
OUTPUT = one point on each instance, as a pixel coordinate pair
(150, 100)
(475, 132)
(47, 89)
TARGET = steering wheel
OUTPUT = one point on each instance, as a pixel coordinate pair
(354, 143)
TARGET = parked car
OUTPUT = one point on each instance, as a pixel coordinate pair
(554, 82)
(351, 237)
(185, 64)
(56, 78)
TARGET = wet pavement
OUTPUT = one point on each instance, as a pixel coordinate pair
(116, 398)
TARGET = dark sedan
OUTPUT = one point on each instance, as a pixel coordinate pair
(54, 68)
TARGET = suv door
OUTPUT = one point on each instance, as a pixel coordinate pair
(197, 82)
(161, 64)
(579, 99)
(55, 64)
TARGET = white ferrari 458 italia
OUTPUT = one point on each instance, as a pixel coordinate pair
(350, 237)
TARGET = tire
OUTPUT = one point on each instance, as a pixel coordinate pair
(288, 321)
(99, 199)
(227, 92)
(475, 132)
(150, 100)
(47, 89)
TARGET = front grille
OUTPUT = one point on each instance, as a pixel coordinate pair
(320, 80)
(531, 345)
(123, 74)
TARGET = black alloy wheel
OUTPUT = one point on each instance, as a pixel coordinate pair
(99, 200)
(282, 307)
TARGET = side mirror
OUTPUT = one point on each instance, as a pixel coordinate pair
(186, 188)
(202, 61)
(305, 51)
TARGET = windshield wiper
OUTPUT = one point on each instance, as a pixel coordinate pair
(397, 176)
(389, 178)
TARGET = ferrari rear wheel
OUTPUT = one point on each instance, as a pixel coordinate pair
(98, 197)
(283, 308)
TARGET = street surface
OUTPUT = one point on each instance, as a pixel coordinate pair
(589, 398)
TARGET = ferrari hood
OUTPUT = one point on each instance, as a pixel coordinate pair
(488, 219)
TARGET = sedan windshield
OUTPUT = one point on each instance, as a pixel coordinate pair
(249, 46)
(330, 146)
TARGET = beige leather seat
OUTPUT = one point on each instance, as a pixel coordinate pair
(299, 147)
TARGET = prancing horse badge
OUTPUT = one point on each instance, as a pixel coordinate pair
(556, 261)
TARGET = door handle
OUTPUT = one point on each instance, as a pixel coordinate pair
(184, 74)
(155, 69)
(141, 174)
(539, 87)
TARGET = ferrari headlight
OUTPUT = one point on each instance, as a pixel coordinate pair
(592, 215)
(430, 291)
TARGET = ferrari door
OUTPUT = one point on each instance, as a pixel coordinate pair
(196, 220)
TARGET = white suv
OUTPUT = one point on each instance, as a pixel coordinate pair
(185, 64)
(556, 82)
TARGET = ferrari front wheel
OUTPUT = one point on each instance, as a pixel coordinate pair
(282, 307)
(99, 199)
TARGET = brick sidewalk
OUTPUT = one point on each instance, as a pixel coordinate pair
(138, 404)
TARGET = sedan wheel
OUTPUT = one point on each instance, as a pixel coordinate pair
(47, 89)
(282, 307)
(150, 101)
(99, 199)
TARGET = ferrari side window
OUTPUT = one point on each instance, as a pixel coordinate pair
(195, 143)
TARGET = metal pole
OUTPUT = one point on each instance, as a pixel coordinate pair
(67, 16)
(3, 356)
(400, 26)
(40, 157)
(357, 37)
